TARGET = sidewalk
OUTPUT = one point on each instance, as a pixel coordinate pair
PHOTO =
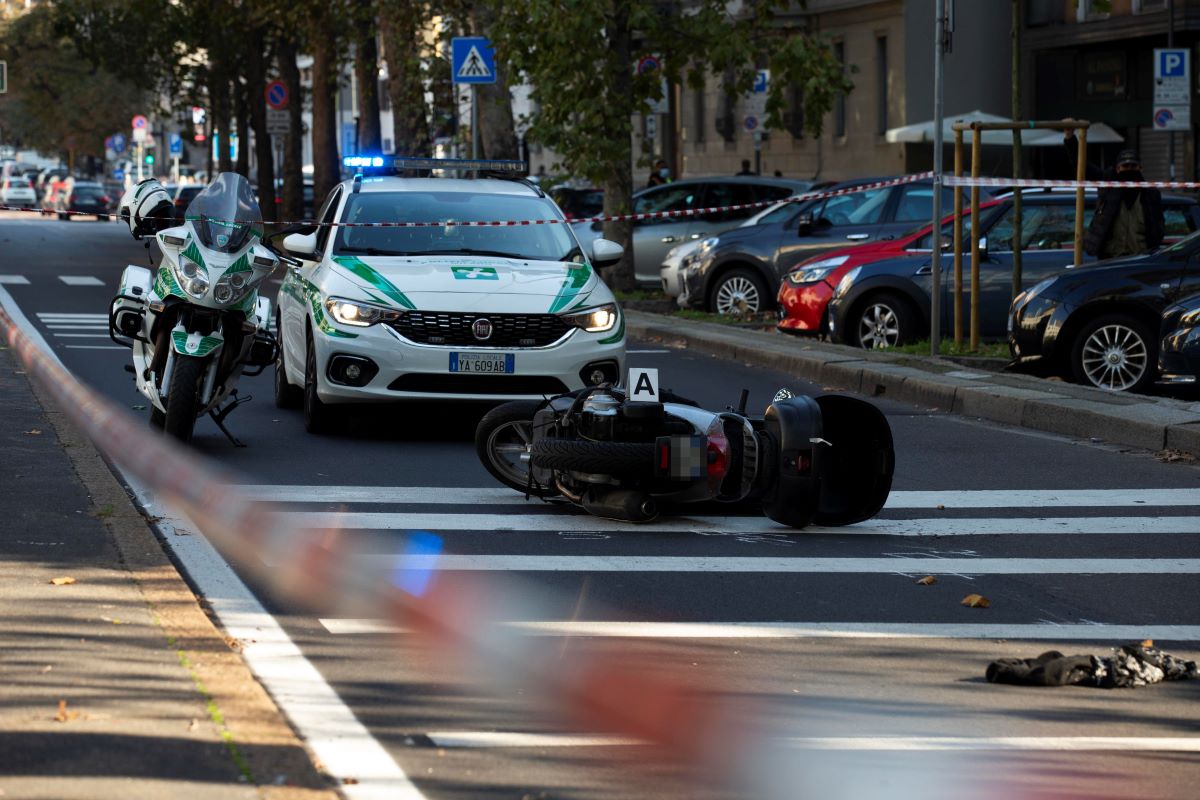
(115, 684)
(1151, 423)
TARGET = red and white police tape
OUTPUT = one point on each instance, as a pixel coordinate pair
(1043, 183)
(688, 212)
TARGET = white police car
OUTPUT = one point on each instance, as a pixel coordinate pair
(442, 311)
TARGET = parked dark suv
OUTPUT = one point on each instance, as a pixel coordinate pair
(742, 268)
(887, 302)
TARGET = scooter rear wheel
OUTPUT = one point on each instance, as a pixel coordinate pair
(501, 437)
(620, 459)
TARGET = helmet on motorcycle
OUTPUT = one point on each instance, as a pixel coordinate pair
(146, 208)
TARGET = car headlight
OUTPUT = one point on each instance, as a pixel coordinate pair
(710, 243)
(359, 315)
(811, 273)
(192, 277)
(594, 320)
(846, 282)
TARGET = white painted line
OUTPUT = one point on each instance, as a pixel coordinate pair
(93, 347)
(810, 630)
(807, 566)
(515, 739)
(80, 280)
(52, 316)
(644, 352)
(751, 525)
(463, 496)
(14, 280)
(81, 335)
(327, 725)
(76, 326)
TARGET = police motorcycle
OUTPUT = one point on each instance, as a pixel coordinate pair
(196, 323)
(824, 460)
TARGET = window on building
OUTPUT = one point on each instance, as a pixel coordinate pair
(839, 105)
(1142, 6)
(727, 120)
(699, 118)
(881, 85)
(793, 120)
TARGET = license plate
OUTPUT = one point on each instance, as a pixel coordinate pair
(483, 363)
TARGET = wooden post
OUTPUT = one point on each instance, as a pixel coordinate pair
(976, 158)
(1080, 174)
(958, 242)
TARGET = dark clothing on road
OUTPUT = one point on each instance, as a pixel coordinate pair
(1117, 229)
(1128, 666)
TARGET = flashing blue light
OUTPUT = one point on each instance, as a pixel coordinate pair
(362, 161)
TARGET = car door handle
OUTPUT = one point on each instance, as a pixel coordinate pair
(927, 269)
(669, 239)
(858, 237)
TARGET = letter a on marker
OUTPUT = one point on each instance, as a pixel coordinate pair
(645, 385)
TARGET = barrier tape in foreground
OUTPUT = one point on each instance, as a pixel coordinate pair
(605, 689)
(1042, 183)
(689, 212)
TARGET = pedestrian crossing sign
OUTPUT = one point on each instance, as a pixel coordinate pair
(472, 60)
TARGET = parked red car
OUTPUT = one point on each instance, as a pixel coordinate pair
(804, 293)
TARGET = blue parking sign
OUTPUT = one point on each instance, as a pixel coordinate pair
(1172, 63)
(472, 60)
(175, 143)
(118, 143)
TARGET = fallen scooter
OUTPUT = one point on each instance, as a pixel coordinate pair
(824, 460)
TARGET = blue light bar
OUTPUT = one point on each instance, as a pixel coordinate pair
(463, 164)
(362, 161)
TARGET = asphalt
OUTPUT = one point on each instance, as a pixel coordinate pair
(1147, 422)
(116, 683)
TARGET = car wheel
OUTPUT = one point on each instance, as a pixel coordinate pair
(318, 417)
(739, 292)
(1116, 352)
(286, 395)
(883, 320)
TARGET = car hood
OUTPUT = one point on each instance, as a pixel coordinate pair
(468, 283)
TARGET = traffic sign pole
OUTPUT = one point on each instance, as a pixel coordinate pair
(474, 120)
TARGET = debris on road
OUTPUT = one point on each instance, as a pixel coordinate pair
(976, 601)
(928, 580)
(1173, 456)
(65, 580)
(1127, 667)
(63, 714)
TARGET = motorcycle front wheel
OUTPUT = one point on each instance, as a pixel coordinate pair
(502, 437)
(183, 399)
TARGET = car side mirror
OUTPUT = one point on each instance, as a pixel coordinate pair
(983, 245)
(606, 253)
(301, 245)
(806, 225)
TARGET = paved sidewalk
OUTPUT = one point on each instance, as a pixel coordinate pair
(1152, 423)
(115, 684)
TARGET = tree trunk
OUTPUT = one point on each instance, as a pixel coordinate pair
(366, 73)
(497, 133)
(219, 91)
(293, 154)
(618, 182)
(326, 166)
(256, 84)
(399, 21)
(241, 105)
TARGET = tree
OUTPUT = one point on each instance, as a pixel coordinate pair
(366, 76)
(497, 132)
(401, 22)
(581, 68)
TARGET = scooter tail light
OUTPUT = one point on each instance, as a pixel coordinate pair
(717, 452)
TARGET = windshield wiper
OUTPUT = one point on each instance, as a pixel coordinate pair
(372, 251)
(466, 251)
(572, 253)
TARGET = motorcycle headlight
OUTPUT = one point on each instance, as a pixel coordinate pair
(811, 273)
(359, 315)
(192, 277)
(594, 320)
(233, 287)
(847, 281)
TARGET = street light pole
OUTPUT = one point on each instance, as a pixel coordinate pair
(935, 309)
(1171, 43)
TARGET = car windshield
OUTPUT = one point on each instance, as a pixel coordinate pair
(225, 214)
(1184, 245)
(534, 242)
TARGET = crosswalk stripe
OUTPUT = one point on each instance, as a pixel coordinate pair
(14, 280)
(93, 347)
(811, 630)
(465, 496)
(748, 525)
(81, 335)
(521, 739)
(56, 316)
(801, 565)
(80, 280)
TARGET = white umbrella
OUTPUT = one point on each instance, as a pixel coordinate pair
(1098, 133)
(919, 132)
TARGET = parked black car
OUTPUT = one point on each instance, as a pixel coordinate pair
(742, 267)
(888, 301)
(1179, 352)
(1099, 323)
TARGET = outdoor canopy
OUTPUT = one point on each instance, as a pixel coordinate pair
(1098, 132)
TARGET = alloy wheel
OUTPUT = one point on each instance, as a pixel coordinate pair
(508, 444)
(1115, 357)
(879, 327)
(738, 295)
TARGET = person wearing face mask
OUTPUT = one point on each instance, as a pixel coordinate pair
(1127, 222)
(660, 174)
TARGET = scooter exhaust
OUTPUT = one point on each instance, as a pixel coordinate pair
(620, 504)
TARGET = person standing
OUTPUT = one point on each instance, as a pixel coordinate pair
(746, 168)
(1127, 221)
(660, 175)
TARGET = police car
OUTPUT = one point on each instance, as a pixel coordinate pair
(436, 309)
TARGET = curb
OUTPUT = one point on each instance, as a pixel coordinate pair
(1150, 423)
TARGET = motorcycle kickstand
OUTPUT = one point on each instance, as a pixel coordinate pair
(219, 418)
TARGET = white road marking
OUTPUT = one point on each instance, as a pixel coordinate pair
(515, 739)
(810, 630)
(463, 496)
(644, 352)
(80, 280)
(14, 280)
(94, 347)
(326, 724)
(805, 566)
(760, 525)
(54, 316)
(103, 335)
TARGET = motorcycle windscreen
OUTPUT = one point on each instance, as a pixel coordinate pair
(855, 468)
(226, 214)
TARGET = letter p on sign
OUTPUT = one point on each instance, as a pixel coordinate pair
(643, 385)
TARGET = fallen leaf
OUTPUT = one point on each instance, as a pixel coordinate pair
(976, 601)
(1172, 456)
(63, 715)
(1147, 643)
(63, 581)
(47, 668)
(928, 580)
(350, 781)
(941, 507)
(193, 725)
(34, 432)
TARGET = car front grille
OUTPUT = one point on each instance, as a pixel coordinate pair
(455, 329)
(498, 385)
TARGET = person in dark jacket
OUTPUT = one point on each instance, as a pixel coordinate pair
(1127, 222)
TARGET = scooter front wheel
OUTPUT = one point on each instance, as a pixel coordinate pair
(183, 399)
(502, 441)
